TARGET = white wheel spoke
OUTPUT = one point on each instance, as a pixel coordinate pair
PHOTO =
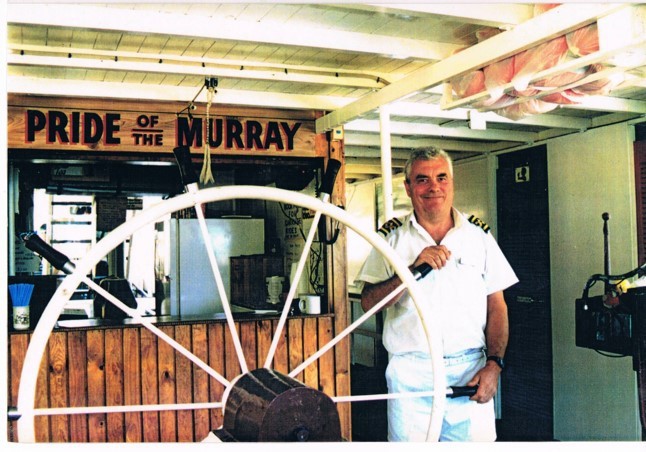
(292, 290)
(220, 285)
(391, 395)
(376, 308)
(150, 326)
(125, 408)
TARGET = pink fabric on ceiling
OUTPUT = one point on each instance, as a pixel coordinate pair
(583, 41)
(561, 79)
(564, 97)
(500, 102)
(526, 108)
(524, 98)
(497, 75)
(532, 61)
(540, 8)
(600, 87)
(469, 84)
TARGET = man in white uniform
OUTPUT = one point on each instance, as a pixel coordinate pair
(465, 288)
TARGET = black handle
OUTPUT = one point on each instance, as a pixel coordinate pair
(421, 270)
(56, 258)
(12, 414)
(462, 391)
(331, 171)
(186, 170)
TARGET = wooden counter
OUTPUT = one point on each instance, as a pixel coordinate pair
(126, 364)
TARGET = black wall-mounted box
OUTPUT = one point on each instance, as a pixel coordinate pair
(612, 329)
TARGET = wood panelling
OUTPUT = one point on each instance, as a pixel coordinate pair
(77, 348)
(132, 386)
(338, 289)
(132, 366)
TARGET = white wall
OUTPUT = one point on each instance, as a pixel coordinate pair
(474, 193)
(595, 397)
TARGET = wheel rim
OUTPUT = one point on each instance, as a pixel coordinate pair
(44, 328)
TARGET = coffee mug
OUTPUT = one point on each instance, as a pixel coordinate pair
(310, 304)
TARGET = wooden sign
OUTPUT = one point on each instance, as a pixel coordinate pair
(142, 131)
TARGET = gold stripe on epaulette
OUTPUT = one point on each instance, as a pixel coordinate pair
(478, 222)
(390, 226)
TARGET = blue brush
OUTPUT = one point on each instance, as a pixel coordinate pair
(21, 294)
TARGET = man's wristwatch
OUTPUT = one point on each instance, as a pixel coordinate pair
(498, 360)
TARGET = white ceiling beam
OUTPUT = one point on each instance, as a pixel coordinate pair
(373, 152)
(613, 118)
(542, 120)
(411, 109)
(432, 130)
(352, 170)
(491, 15)
(217, 62)
(414, 109)
(183, 69)
(555, 22)
(372, 140)
(614, 104)
(133, 21)
(134, 91)
(374, 161)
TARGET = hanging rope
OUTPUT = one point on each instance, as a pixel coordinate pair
(206, 176)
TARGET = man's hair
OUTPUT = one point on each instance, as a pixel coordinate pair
(429, 153)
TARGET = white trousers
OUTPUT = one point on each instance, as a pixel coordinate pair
(409, 418)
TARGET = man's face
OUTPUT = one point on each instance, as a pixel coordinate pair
(430, 188)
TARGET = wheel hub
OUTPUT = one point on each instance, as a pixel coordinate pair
(264, 405)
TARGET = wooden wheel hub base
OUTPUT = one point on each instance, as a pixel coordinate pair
(264, 405)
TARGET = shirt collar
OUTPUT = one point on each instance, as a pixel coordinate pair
(458, 222)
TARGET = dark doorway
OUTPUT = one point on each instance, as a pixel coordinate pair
(523, 234)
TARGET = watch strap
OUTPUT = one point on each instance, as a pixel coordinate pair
(498, 360)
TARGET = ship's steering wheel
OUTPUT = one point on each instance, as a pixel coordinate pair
(195, 197)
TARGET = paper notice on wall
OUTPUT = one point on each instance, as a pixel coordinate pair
(296, 228)
(25, 261)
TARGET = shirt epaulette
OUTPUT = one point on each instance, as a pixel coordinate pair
(478, 222)
(390, 226)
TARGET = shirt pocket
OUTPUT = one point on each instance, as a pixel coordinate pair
(470, 269)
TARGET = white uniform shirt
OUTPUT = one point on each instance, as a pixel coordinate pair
(458, 291)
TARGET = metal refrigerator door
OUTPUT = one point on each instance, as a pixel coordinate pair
(193, 288)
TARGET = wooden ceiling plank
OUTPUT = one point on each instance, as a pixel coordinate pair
(373, 140)
(491, 15)
(132, 43)
(411, 129)
(116, 87)
(220, 28)
(209, 71)
(610, 104)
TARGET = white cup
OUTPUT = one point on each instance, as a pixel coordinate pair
(310, 304)
(21, 317)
